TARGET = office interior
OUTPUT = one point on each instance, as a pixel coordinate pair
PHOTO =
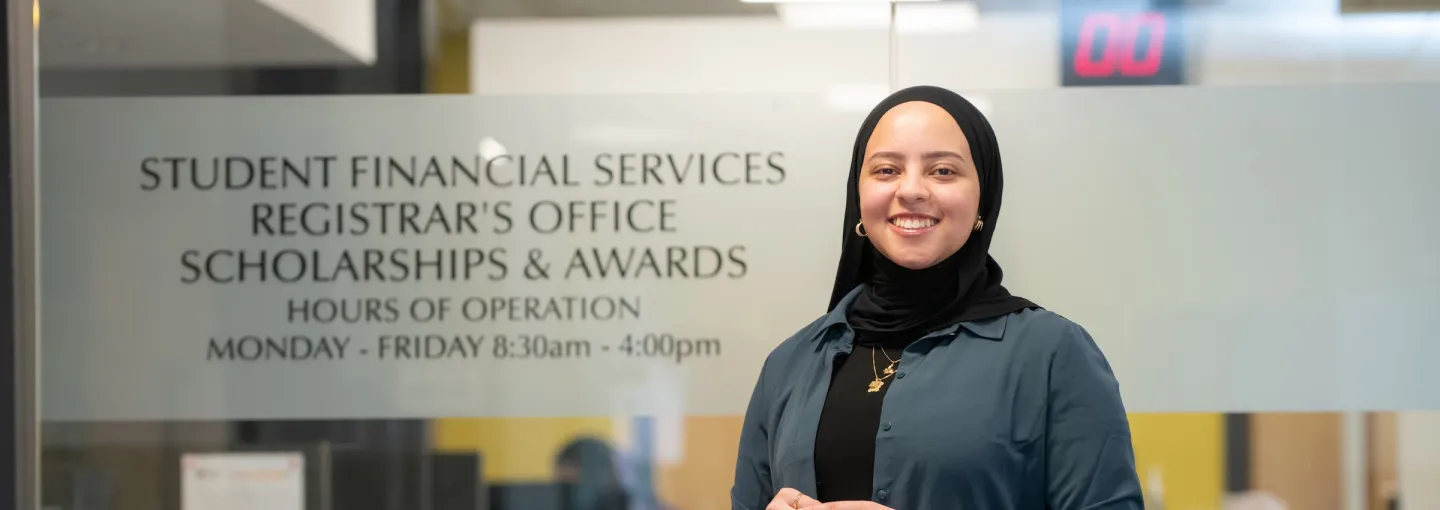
(842, 54)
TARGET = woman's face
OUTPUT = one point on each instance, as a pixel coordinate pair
(919, 192)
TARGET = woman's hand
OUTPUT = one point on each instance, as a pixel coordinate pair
(850, 505)
(789, 498)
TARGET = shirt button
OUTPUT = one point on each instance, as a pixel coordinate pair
(883, 494)
(900, 375)
(886, 426)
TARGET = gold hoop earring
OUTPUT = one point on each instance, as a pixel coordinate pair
(860, 228)
(979, 224)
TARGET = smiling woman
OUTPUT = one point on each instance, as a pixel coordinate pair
(961, 395)
(920, 217)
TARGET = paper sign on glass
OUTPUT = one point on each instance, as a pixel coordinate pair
(243, 481)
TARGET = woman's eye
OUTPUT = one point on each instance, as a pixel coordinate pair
(885, 170)
(945, 171)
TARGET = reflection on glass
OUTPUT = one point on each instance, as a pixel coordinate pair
(587, 473)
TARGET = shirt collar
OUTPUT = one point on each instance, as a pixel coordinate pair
(837, 315)
(993, 328)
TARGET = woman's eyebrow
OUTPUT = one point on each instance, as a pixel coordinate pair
(887, 155)
(943, 154)
(927, 155)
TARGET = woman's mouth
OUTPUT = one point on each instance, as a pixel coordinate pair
(913, 224)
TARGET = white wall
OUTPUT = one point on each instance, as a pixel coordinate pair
(669, 55)
(1004, 51)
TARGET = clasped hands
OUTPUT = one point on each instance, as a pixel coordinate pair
(789, 498)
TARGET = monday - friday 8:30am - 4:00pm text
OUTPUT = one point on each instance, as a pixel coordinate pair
(433, 347)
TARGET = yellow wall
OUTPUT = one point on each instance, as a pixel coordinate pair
(701, 480)
(516, 449)
(449, 69)
(1187, 451)
(1297, 458)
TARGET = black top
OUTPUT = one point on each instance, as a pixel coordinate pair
(845, 437)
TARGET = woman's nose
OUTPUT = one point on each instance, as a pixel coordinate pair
(912, 188)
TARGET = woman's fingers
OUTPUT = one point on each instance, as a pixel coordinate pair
(789, 498)
(783, 499)
(853, 505)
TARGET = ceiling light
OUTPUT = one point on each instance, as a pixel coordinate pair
(936, 17)
(834, 1)
(945, 17)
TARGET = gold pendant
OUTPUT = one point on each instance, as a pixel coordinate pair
(875, 385)
(890, 370)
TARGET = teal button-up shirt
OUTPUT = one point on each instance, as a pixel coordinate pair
(1016, 412)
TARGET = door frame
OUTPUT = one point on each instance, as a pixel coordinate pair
(20, 423)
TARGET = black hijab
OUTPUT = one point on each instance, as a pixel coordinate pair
(965, 286)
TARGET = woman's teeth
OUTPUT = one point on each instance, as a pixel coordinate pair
(913, 223)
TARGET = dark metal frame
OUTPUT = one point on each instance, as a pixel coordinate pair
(19, 396)
(400, 70)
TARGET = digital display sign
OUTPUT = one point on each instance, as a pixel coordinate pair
(1109, 44)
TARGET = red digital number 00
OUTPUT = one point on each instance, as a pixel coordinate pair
(1120, 38)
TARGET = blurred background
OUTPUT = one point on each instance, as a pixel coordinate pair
(1349, 453)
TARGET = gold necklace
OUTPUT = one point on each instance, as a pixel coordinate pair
(879, 381)
(890, 370)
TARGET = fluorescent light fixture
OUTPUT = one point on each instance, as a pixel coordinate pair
(948, 17)
(871, 16)
(881, 2)
(930, 17)
(1397, 25)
